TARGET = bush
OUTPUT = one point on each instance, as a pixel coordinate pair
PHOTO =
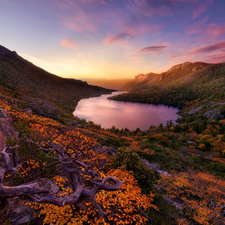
(132, 161)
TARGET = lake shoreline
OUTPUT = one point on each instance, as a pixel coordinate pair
(131, 115)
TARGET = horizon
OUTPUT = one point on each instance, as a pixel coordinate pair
(105, 39)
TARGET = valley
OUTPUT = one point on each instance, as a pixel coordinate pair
(173, 173)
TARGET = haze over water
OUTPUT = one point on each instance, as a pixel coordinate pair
(123, 115)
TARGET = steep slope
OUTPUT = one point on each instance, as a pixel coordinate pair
(179, 86)
(142, 81)
(178, 73)
(28, 82)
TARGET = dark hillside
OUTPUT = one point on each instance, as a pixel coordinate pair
(22, 79)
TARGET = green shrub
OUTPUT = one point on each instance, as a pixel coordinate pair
(132, 161)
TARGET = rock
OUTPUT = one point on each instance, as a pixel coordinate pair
(6, 127)
(21, 213)
(74, 123)
(155, 167)
(28, 110)
(212, 114)
(190, 142)
(192, 111)
(216, 104)
(175, 202)
(110, 150)
(197, 68)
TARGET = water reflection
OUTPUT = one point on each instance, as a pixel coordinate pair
(129, 115)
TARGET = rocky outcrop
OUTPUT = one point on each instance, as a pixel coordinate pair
(192, 111)
(6, 127)
(212, 114)
(21, 213)
(7, 53)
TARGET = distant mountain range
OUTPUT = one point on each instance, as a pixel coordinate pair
(27, 82)
(179, 86)
(178, 73)
(110, 83)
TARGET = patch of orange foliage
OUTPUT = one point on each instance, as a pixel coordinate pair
(202, 195)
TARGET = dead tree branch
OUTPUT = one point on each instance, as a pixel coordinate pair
(75, 170)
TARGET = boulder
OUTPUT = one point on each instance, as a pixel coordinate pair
(21, 213)
(212, 114)
(192, 111)
(74, 123)
(6, 127)
(28, 110)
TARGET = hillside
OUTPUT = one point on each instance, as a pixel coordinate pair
(179, 86)
(38, 88)
(178, 73)
(55, 171)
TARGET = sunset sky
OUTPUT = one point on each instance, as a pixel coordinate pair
(113, 38)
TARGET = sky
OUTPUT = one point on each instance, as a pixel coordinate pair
(113, 38)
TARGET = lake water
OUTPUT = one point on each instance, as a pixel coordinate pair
(108, 113)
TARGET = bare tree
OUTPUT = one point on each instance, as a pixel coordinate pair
(73, 167)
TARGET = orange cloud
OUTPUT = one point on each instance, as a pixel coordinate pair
(68, 43)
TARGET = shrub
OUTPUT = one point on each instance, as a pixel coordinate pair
(132, 162)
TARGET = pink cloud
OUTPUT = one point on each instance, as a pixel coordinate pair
(215, 31)
(220, 45)
(93, 15)
(121, 38)
(158, 49)
(196, 27)
(217, 58)
(158, 7)
(97, 1)
(68, 43)
(73, 15)
(201, 8)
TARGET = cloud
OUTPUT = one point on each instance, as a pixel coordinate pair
(196, 27)
(80, 15)
(68, 43)
(215, 31)
(158, 49)
(121, 38)
(217, 58)
(97, 1)
(159, 7)
(210, 48)
(201, 8)
(131, 16)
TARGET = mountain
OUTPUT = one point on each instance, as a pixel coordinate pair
(172, 164)
(39, 88)
(180, 72)
(180, 86)
(116, 84)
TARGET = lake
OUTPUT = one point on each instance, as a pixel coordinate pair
(108, 113)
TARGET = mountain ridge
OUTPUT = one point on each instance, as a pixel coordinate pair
(176, 72)
(22, 78)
